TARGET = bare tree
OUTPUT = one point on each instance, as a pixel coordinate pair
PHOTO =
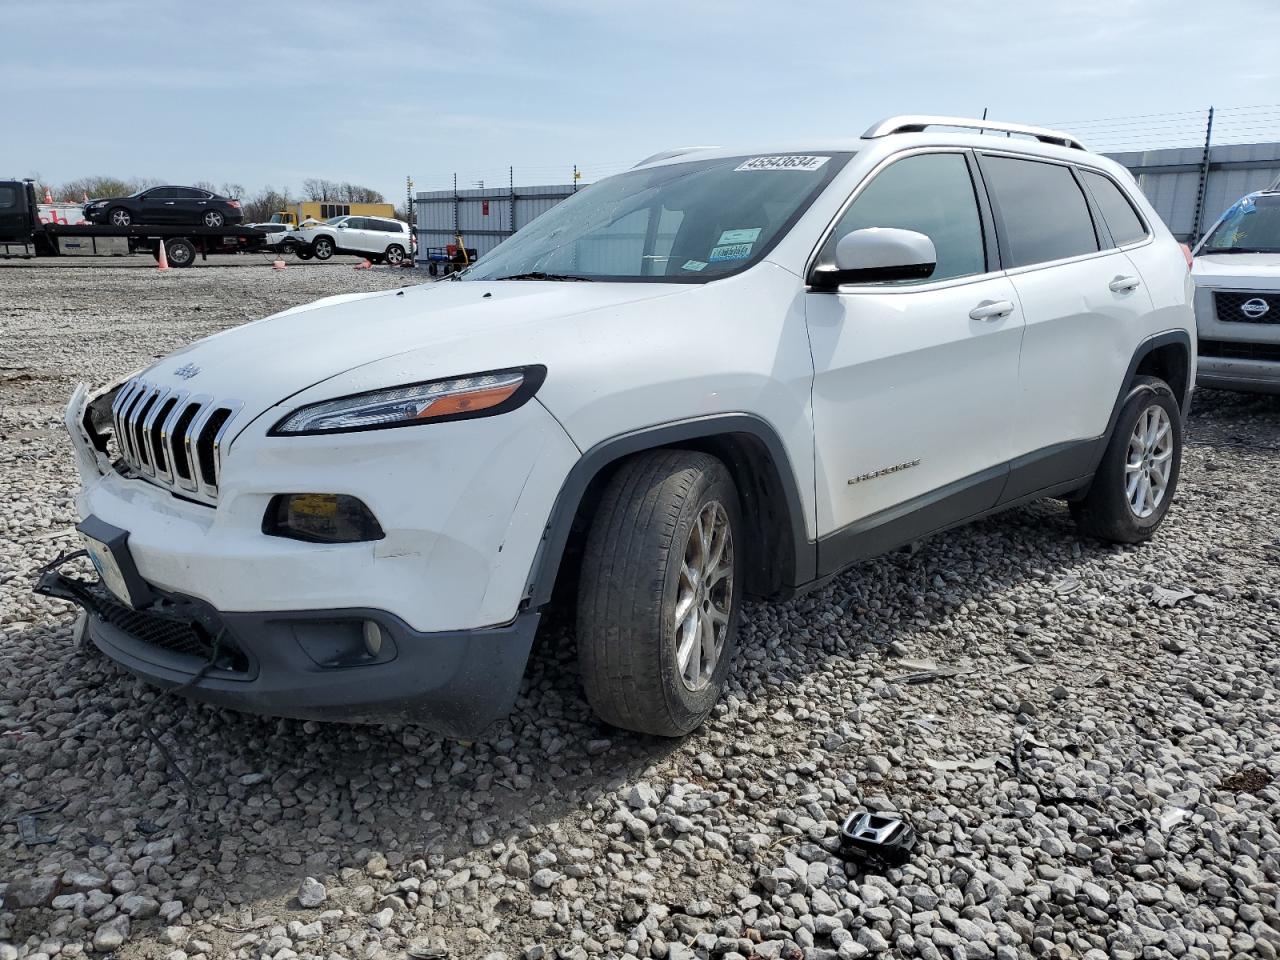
(102, 186)
(319, 189)
(260, 207)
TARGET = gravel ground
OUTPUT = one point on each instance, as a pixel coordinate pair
(1086, 738)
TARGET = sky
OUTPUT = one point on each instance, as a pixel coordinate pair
(262, 93)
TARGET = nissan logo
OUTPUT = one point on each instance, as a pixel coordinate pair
(1255, 308)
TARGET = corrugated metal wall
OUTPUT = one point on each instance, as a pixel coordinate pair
(483, 231)
(1171, 179)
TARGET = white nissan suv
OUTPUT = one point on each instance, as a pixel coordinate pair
(1237, 276)
(721, 374)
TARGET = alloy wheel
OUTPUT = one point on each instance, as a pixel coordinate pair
(704, 596)
(1147, 465)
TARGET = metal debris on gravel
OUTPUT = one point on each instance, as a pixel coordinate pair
(1141, 820)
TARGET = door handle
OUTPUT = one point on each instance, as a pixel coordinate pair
(991, 310)
(169, 203)
(1124, 284)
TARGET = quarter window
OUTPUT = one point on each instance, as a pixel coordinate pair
(1043, 210)
(930, 194)
(1117, 210)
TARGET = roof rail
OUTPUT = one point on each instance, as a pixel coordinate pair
(915, 123)
(668, 154)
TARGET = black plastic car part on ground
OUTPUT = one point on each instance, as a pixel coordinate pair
(166, 205)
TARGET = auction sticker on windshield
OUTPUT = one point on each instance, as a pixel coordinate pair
(790, 162)
(740, 236)
(732, 251)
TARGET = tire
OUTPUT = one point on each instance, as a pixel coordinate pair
(214, 218)
(394, 255)
(179, 252)
(1126, 502)
(433, 269)
(644, 535)
(304, 253)
(322, 248)
(119, 217)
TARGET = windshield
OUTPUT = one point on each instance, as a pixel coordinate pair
(683, 222)
(1251, 226)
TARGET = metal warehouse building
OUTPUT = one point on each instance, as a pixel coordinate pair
(1188, 188)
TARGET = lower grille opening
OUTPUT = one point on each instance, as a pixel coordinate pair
(167, 631)
(1238, 350)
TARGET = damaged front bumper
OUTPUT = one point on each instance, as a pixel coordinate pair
(308, 664)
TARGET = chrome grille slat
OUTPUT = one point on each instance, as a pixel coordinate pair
(185, 445)
(146, 419)
(151, 462)
(170, 471)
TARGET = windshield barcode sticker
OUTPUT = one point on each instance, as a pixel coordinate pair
(790, 162)
(733, 251)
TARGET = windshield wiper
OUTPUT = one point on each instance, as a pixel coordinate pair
(1241, 250)
(539, 275)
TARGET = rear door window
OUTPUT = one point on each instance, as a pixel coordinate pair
(1122, 220)
(1042, 209)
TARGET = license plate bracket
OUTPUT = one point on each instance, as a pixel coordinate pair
(108, 549)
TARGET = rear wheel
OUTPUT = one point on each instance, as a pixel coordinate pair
(394, 255)
(1135, 483)
(322, 248)
(213, 218)
(659, 596)
(119, 217)
(180, 252)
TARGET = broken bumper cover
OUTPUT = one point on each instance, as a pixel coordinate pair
(311, 664)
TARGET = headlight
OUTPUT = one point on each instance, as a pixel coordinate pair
(460, 398)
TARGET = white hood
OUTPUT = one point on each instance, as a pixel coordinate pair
(1237, 269)
(460, 327)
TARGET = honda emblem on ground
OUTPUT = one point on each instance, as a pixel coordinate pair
(877, 838)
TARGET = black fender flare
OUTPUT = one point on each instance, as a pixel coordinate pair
(1127, 387)
(546, 564)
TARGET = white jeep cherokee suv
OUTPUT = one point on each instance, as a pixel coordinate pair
(721, 374)
(1237, 276)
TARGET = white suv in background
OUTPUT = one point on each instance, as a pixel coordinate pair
(381, 239)
(1237, 275)
(723, 373)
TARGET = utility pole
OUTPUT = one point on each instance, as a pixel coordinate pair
(1204, 182)
(511, 191)
(409, 210)
(576, 176)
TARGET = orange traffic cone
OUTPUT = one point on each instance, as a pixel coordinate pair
(163, 263)
(367, 265)
(48, 195)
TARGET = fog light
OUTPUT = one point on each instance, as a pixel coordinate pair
(372, 638)
(320, 518)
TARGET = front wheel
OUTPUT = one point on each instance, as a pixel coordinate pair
(322, 248)
(660, 592)
(1134, 485)
(119, 217)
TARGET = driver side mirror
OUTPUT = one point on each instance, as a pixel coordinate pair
(877, 255)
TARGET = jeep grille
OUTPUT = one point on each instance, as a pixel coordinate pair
(171, 438)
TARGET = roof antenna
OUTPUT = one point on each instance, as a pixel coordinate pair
(983, 131)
